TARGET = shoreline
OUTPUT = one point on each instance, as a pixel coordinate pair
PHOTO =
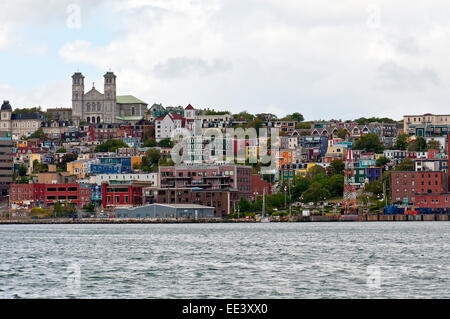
(305, 219)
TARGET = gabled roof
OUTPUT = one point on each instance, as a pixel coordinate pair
(189, 107)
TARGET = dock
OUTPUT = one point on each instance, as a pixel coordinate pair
(298, 219)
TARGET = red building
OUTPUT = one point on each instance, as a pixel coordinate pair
(136, 130)
(100, 132)
(216, 177)
(427, 189)
(405, 186)
(46, 195)
(114, 195)
(258, 186)
(433, 201)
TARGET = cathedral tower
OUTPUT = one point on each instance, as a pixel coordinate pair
(110, 98)
(77, 96)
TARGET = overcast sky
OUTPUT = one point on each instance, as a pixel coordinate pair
(325, 59)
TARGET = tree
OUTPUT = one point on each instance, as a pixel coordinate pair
(364, 121)
(336, 185)
(39, 134)
(402, 142)
(336, 167)
(419, 145)
(89, 208)
(166, 143)
(61, 150)
(151, 142)
(153, 155)
(256, 124)
(111, 146)
(213, 112)
(406, 165)
(22, 170)
(342, 133)
(36, 166)
(315, 170)
(300, 184)
(146, 164)
(369, 142)
(305, 126)
(64, 209)
(375, 187)
(433, 145)
(244, 205)
(382, 161)
(295, 117)
(315, 193)
(243, 116)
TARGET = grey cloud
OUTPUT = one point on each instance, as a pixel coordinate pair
(398, 77)
(182, 67)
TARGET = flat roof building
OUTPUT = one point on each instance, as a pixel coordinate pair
(192, 211)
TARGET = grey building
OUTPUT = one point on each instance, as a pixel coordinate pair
(6, 164)
(60, 114)
(166, 211)
(96, 107)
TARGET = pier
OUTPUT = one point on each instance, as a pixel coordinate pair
(296, 219)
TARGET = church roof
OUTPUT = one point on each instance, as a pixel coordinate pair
(6, 106)
(130, 118)
(129, 99)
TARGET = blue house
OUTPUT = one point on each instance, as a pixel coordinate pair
(374, 173)
(105, 169)
(112, 165)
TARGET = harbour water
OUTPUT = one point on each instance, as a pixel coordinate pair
(267, 260)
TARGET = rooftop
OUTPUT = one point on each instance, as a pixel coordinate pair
(6, 106)
(129, 99)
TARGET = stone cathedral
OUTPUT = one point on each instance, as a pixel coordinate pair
(95, 107)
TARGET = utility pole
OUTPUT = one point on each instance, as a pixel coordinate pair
(290, 200)
(264, 203)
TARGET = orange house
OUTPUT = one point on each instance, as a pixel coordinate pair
(286, 157)
(135, 160)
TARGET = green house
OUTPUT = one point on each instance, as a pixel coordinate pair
(360, 175)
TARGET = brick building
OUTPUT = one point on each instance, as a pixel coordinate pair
(208, 177)
(46, 195)
(122, 194)
(258, 186)
(405, 186)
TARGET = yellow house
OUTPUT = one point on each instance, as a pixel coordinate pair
(76, 168)
(304, 171)
(31, 158)
(136, 160)
(83, 156)
(336, 151)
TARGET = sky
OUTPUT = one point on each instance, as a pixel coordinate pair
(325, 59)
